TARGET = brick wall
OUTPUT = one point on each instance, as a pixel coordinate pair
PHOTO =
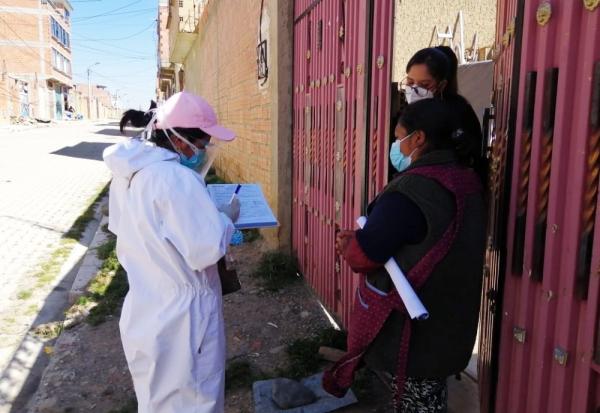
(26, 45)
(221, 67)
(101, 104)
(163, 32)
(414, 21)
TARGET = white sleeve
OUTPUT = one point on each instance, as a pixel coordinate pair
(118, 187)
(192, 223)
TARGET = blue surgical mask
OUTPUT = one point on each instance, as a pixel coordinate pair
(398, 159)
(193, 162)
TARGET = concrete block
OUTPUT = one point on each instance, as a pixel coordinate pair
(325, 402)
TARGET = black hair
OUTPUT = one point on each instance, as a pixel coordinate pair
(442, 64)
(191, 134)
(137, 118)
(433, 118)
(452, 79)
(438, 120)
(140, 119)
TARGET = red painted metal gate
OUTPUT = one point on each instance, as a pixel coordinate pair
(549, 356)
(341, 125)
(499, 127)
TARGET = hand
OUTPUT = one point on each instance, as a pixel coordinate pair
(341, 241)
(232, 210)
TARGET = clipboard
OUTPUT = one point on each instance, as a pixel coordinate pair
(255, 211)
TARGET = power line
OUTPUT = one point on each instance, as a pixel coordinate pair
(140, 57)
(129, 12)
(118, 82)
(116, 47)
(35, 52)
(110, 11)
(110, 14)
(119, 38)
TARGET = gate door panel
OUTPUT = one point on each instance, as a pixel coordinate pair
(548, 358)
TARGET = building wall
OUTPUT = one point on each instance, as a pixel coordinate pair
(101, 105)
(186, 14)
(415, 20)
(173, 22)
(222, 67)
(19, 58)
(26, 45)
(163, 82)
(10, 98)
(163, 33)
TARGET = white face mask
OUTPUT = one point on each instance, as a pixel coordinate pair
(416, 93)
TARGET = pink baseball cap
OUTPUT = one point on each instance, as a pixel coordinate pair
(186, 110)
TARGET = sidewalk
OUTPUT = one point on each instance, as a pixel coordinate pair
(22, 127)
(12, 128)
(88, 371)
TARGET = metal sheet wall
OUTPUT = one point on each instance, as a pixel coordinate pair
(549, 331)
(500, 127)
(332, 102)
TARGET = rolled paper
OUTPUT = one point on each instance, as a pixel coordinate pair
(409, 297)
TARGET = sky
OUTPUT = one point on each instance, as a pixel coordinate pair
(119, 35)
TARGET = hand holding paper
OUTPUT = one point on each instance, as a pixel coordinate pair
(411, 301)
(253, 209)
(231, 209)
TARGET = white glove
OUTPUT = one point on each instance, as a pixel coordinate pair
(232, 210)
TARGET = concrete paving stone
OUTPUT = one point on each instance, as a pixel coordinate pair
(39, 201)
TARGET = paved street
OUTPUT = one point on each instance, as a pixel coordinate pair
(47, 176)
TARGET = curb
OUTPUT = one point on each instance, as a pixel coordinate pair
(89, 267)
(91, 263)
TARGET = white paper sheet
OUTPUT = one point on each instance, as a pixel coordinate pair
(411, 301)
(254, 209)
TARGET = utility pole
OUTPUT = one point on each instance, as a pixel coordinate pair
(89, 103)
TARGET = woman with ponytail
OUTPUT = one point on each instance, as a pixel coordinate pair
(431, 219)
(170, 236)
(432, 73)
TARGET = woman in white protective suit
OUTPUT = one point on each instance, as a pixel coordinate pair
(170, 236)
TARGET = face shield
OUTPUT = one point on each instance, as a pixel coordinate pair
(203, 155)
(186, 110)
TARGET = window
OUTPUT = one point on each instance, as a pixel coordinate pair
(181, 19)
(180, 3)
(61, 63)
(59, 33)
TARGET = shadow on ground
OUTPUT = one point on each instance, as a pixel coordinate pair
(109, 132)
(116, 132)
(84, 150)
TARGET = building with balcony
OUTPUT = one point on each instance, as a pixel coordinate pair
(35, 58)
(166, 70)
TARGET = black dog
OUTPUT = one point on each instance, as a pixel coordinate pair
(137, 118)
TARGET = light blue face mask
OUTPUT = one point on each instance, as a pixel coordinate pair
(398, 159)
(193, 162)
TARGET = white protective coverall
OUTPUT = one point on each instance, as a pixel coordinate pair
(170, 236)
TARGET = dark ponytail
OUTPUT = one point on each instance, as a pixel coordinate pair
(140, 119)
(452, 86)
(137, 118)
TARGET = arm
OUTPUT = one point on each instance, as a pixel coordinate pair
(192, 223)
(394, 221)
